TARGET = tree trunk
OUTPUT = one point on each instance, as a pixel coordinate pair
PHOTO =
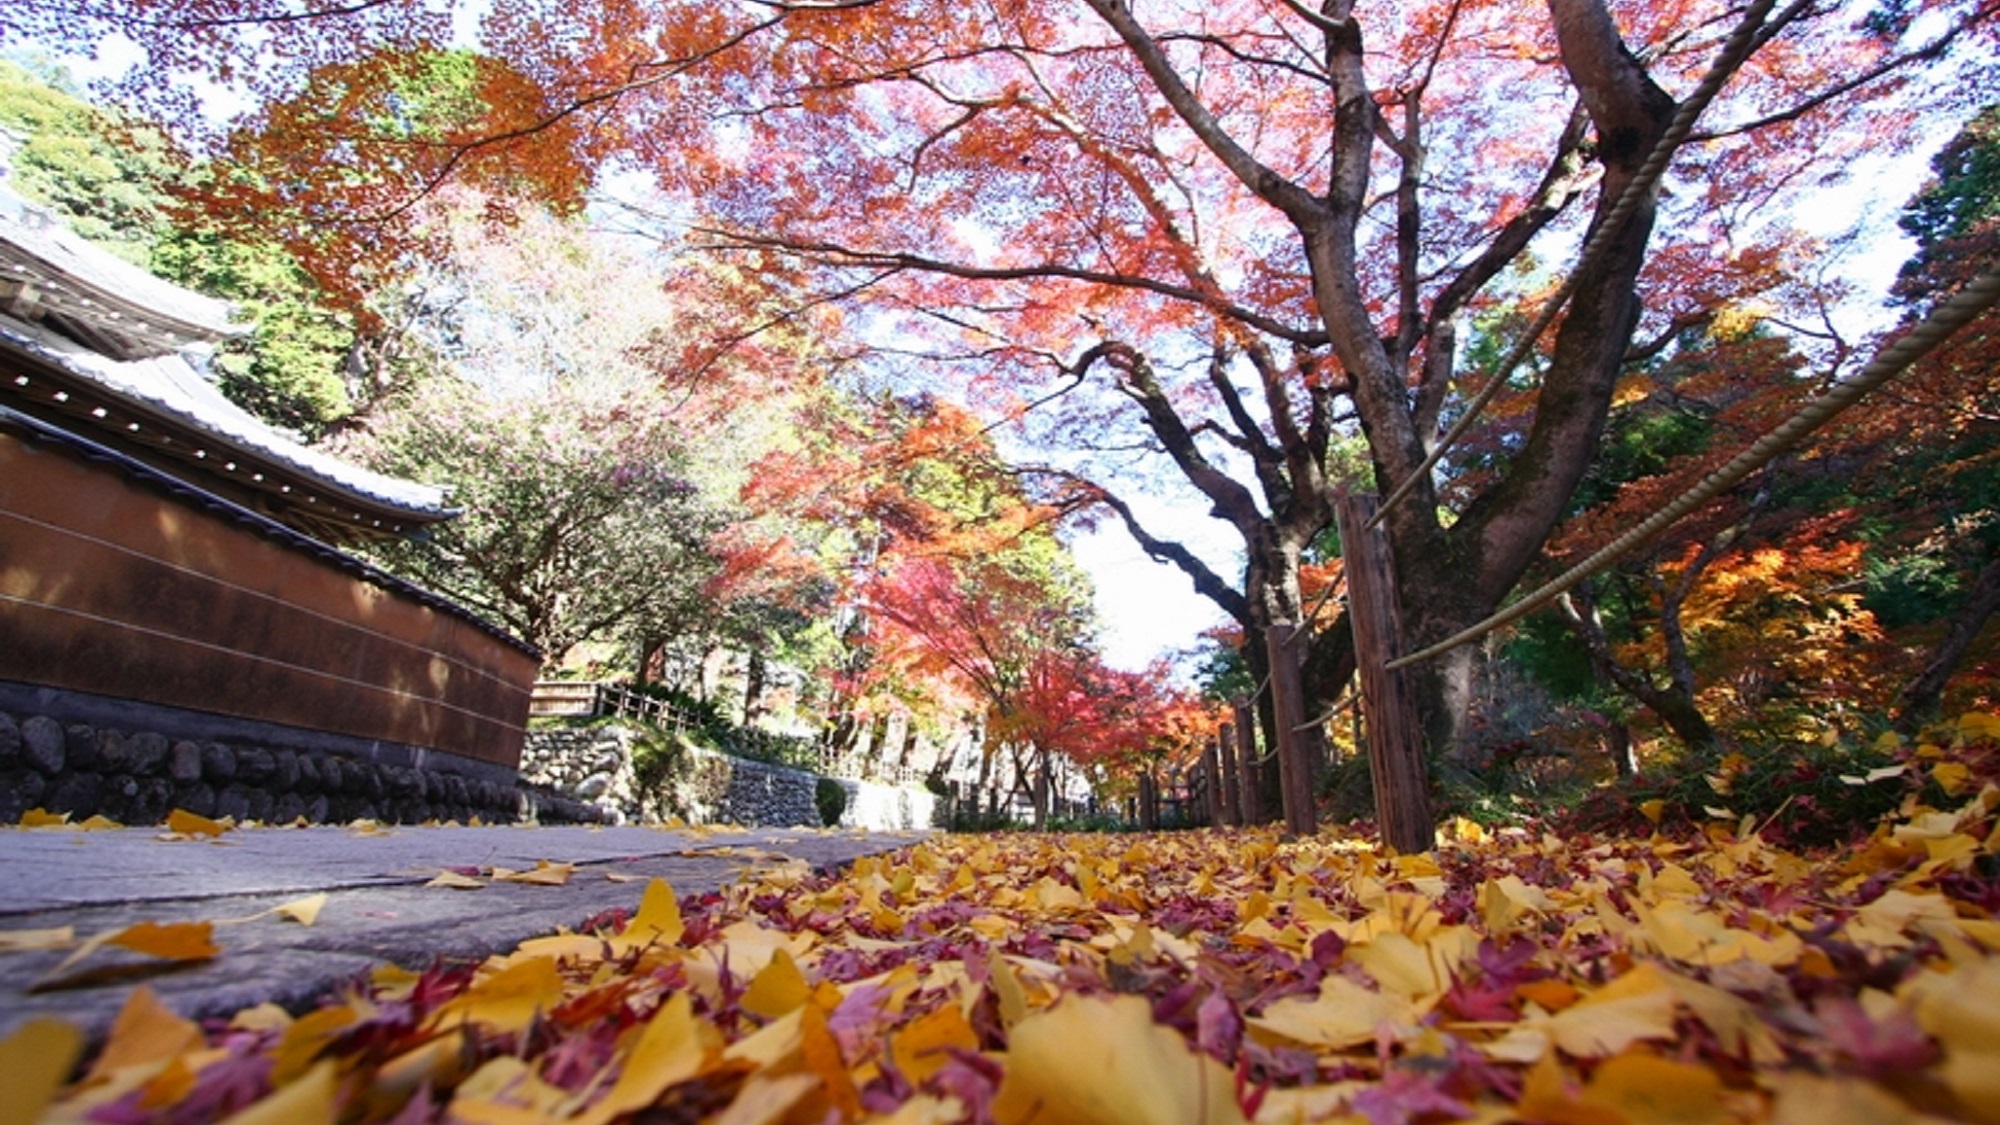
(1040, 794)
(753, 687)
(1618, 744)
(1675, 704)
(1922, 698)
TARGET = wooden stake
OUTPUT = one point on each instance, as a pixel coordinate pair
(1288, 698)
(1211, 785)
(1231, 769)
(1388, 705)
(1251, 811)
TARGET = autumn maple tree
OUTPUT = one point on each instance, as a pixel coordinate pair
(1206, 237)
(958, 602)
(1853, 579)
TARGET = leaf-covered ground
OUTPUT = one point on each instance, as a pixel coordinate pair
(1193, 977)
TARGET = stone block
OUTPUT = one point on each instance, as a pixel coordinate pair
(43, 746)
(288, 808)
(79, 793)
(218, 762)
(20, 790)
(112, 753)
(234, 801)
(151, 800)
(147, 751)
(196, 797)
(255, 765)
(184, 762)
(80, 746)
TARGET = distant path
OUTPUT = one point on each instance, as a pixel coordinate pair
(377, 907)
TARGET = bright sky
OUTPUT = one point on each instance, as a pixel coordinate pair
(1147, 607)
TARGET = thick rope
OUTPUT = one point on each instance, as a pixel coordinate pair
(1887, 364)
(1737, 49)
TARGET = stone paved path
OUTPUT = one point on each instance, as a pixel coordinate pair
(377, 908)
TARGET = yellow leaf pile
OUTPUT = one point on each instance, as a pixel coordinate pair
(1211, 977)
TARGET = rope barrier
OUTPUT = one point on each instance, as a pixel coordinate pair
(1890, 362)
(1734, 51)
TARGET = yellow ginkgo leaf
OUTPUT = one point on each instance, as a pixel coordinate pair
(544, 874)
(308, 1101)
(1977, 726)
(764, 1100)
(173, 941)
(304, 911)
(675, 1045)
(1952, 777)
(1637, 1006)
(822, 1055)
(657, 922)
(508, 1000)
(24, 941)
(194, 824)
(43, 818)
(1961, 1010)
(777, 989)
(1343, 1015)
(1808, 1099)
(1547, 1096)
(1644, 1090)
(923, 1046)
(1094, 1060)
(144, 1036)
(304, 1039)
(1006, 988)
(454, 881)
(37, 1059)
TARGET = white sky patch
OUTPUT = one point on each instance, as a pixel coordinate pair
(1149, 608)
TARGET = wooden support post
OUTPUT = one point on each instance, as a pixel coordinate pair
(1388, 705)
(1211, 785)
(1149, 803)
(1251, 811)
(1288, 698)
(1228, 770)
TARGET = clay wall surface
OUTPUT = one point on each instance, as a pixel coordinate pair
(115, 585)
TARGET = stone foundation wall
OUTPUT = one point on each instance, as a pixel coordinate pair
(137, 777)
(636, 776)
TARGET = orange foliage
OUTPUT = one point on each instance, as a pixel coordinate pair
(1780, 641)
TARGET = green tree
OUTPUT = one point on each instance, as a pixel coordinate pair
(1955, 219)
(114, 181)
(577, 518)
(85, 163)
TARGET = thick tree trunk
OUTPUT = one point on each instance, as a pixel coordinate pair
(1453, 578)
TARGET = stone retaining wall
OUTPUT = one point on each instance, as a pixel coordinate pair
(139, 776)
(601, 765)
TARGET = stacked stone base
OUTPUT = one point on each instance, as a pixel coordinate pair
(137, 777)
(596, 764)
